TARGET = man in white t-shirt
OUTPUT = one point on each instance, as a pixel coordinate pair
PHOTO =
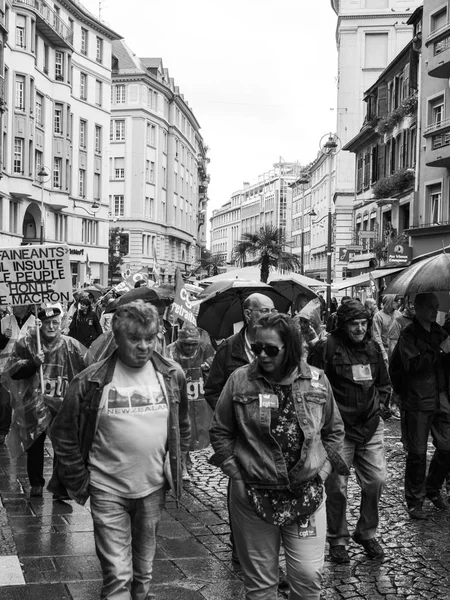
(119, 438)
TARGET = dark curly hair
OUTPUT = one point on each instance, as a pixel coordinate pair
(290, 335)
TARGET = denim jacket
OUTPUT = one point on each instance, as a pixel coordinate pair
(73, 430)
(241, 437)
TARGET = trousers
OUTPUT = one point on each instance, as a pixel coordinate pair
(369, 462)
(258, 545)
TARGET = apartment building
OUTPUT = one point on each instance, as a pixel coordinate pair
(369, 35)
(157, 168)
(57, 72)
(430, 215)
(264, 202)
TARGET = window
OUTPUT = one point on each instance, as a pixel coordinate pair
(89, 231)
(83, 78)
(119, 168)
(57, 168)
(97, 187)
(98, 139)
(152, 172)
(37, 163)
(58, 119)
(99, 55)
(149, 207)
(98, 92)
(18, 155)
(120, 94)
(438, 20)
(61, 227)
(39, 111)
(435, 195)
(13, 216)
(83, 126)
(20, 31)
(118, 206)
(117, 133)
(84, 41)
(56, 17)
(82, 183)
(376, 48)
(46, 55)
(20, 92)
(59, 70)
(436, 111)
(153, 135)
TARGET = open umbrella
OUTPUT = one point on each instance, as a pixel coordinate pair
(222, 308)
(291, 286)
(428, 275)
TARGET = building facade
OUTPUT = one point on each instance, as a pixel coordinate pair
(157, 168)
(265, 202)
(57, 73)
(369, 34)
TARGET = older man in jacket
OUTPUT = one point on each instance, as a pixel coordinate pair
(358, 375)
(119, 438)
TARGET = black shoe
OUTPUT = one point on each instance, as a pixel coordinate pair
(439, 501)
(371, 546)
(36, 491)
(339, 554)
(283, 583)
(417, 512)
(61, 497)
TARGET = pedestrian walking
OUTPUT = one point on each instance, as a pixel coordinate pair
(13, 327)
(59, 358)
(85, 325)
(358, 375)
(274, 431)
(195, 359)
(119, 439)
(419, 370)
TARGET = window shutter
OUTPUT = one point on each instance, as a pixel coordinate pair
(381, 155)
(382, 100)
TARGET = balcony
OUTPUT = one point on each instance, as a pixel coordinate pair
(438, 144)
(437, 228)
(49, 23)
(439, 58)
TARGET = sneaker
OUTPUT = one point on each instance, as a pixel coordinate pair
(439, 501)
(339, 554)
(283, 583)
(371, 546)
(185, 476)
(417, 512)
(36, 491)
(396, 413)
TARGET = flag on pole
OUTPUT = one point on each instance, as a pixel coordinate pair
(184, 307)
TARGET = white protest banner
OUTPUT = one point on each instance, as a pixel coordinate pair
(35, 275)
(184, 307)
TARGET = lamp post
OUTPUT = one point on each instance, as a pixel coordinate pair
(330, 148)
(44, 176)
(303, 181)
(94, 207)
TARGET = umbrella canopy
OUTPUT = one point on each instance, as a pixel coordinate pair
(429, 275)
(222, 308)
(291, 286)
(253, 273)
(95, 290)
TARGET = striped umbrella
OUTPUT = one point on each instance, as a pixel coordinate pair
(428, 275)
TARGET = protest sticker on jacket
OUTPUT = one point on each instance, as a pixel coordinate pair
(35, 275)
(184, 306)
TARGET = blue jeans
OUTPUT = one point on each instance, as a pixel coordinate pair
(125, 541)
(369, 462)
(258, 546)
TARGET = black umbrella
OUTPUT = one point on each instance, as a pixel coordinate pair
(223, 306)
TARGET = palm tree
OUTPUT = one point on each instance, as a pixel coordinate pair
(266, 248)
(210, 262)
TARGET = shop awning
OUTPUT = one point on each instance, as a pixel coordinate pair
(364, 279)
(359, 264)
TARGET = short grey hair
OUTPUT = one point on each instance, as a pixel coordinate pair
(135, 312)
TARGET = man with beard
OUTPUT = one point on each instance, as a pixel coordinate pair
(61, 358)
(358, 375)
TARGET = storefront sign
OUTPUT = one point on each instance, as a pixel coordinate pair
(399, 254)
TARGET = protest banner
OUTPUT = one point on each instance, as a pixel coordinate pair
(35, 275)
(184, 307)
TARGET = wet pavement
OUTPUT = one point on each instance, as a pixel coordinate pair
(47, 548)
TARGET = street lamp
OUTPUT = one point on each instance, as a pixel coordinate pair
(94, 207)
(330, 148)
(44, 175)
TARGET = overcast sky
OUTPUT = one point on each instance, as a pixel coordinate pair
(260, 75)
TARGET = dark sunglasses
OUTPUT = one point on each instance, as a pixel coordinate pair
(271, 351)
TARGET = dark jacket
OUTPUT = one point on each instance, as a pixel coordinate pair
(241, 429)
(358, 401)
(230, 355)
(74, 428)
(85, 327)
(419, 368)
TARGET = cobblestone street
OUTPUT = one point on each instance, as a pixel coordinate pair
(47, 549)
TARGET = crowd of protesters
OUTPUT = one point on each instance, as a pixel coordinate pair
(290, 404)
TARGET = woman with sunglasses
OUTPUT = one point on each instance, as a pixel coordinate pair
(277, 433)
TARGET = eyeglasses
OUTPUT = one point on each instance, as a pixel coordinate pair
(264, 311)
(271, 351)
